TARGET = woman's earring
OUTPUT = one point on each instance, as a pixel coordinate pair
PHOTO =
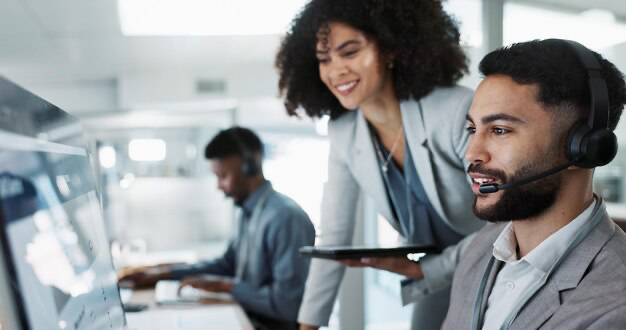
(390, 65)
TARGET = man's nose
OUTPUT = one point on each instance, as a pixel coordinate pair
(477, 151)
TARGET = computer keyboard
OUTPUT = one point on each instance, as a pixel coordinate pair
(166, 292)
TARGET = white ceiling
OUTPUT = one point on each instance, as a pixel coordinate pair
(617, 7)
(74, 39)
(82, 40)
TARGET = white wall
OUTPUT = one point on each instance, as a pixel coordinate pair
(171, 213)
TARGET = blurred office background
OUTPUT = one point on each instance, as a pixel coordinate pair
(153, 80)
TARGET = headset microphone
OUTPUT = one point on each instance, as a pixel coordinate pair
(491, 188)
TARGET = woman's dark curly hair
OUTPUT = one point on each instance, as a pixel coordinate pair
(422, 38)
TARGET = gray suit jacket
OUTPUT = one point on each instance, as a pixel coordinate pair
(588, 290)
(436, 135)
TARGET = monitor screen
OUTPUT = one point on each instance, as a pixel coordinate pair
(55, 252)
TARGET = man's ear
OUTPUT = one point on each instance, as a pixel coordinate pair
(564, 129)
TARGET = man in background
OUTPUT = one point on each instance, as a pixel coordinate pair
(267, 274)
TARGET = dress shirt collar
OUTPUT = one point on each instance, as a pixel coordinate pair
(547, 252)
(250, 202)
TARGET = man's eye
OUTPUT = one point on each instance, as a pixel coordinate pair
(471, 130)
(500, 131)
(323, 60)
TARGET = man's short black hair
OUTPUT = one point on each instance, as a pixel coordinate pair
(562, 79)
(234, 141)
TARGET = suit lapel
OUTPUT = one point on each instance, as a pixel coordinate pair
(574, 267)
(544, 304)
(548, 299)
(367, 172)
(415, 132)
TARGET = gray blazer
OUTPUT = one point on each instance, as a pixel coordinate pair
(588, 291)
(435, 132)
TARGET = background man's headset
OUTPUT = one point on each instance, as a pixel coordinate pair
(590, 142)
(250, 166)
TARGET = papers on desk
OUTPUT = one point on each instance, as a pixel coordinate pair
(213, 317)
(166, 292)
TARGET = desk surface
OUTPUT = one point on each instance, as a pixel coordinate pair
(215, 312)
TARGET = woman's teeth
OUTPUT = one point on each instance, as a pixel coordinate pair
(345, 87)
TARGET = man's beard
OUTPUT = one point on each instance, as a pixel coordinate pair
(522, 202)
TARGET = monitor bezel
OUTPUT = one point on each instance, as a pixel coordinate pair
(10, 285)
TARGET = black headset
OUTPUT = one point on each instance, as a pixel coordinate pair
(249, 166)
(590, 140)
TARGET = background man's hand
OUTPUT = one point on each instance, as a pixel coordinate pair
(308, 327)
(398, 265)
(143, 277)
(207, 284)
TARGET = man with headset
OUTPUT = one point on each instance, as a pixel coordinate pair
(268, 275)
(541, 120)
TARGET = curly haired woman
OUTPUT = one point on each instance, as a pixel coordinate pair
(385, 73)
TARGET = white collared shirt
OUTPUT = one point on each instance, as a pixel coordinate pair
(518, 276)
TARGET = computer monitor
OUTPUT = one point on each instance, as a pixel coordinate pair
(55, 264)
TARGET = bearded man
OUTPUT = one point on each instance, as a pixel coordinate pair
(551, 257)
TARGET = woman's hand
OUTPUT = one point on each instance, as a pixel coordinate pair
(398, 265)
(308, 327)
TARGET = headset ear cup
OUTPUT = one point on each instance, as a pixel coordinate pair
(245, 169)
(600, 147)
(592, 148)
(254, 169)
(575, 138)
(249, 167)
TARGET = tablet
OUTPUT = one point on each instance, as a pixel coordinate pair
(355, 252)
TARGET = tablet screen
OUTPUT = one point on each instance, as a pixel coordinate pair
(354, 252)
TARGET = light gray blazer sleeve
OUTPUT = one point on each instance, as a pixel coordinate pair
(339, 202)
(439, 269)
(438, 272)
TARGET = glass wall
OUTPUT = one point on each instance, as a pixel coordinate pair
(297, 165)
